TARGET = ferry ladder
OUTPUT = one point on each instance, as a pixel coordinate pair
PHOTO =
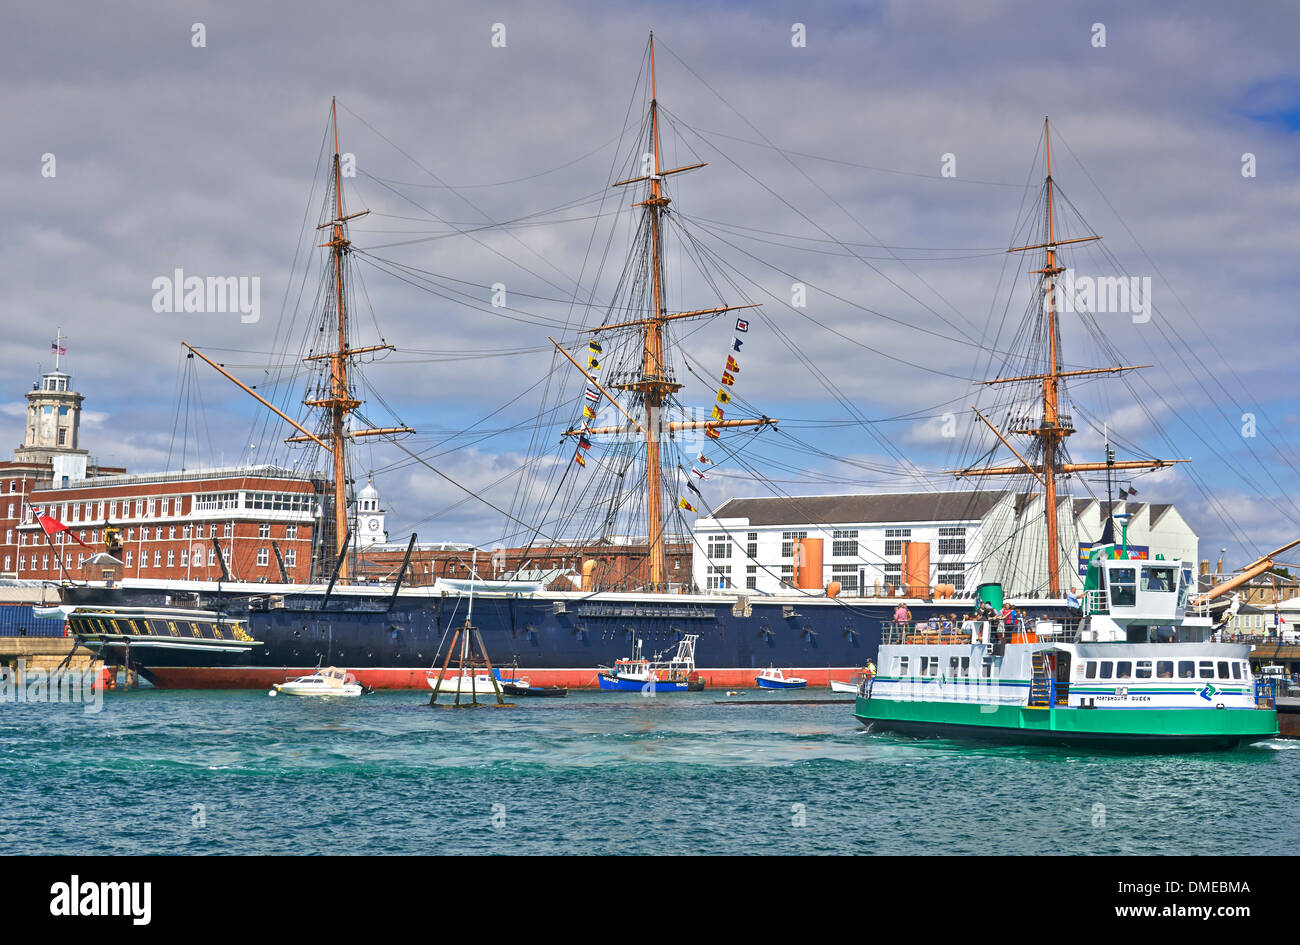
(1040, 686)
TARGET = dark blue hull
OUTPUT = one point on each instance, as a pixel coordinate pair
(568, 634)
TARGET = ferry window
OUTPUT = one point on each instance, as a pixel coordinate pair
(1165, 669)
(1122, 590)
(1160, 580)
(1223, 669)
(1091, 671)
(1207, 669)
(1124, 669)
(1107, 667)
(902, 665)
(1144, 669)
(953, 666)
(1236, 670)
(965, 665)
(1186, 669)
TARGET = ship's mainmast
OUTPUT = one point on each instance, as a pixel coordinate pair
(1053, 427)
(656, 383)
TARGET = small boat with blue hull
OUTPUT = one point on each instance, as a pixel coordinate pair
(1139, 669)
(773, 678)
(639, 674)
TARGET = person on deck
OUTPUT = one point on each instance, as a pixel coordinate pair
(902, 615)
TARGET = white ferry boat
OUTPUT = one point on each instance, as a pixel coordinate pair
(1137, 669)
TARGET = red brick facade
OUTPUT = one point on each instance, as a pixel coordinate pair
(167, 524)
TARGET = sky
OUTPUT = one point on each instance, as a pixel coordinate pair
(886, 162)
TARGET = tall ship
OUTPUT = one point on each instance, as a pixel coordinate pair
(630, 413)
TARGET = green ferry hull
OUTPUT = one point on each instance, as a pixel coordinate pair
(1136, 729)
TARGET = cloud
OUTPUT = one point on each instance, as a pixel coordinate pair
(206, 159)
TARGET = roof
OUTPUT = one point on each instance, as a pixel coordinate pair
(887, 507)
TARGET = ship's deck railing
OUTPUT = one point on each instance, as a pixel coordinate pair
(979, 631)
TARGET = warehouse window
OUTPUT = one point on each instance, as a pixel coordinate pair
(844, 543)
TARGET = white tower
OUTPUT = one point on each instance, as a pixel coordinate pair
(369, 525)
(54, 424)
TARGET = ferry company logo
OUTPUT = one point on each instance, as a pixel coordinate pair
(77, 898)
(1209, 692)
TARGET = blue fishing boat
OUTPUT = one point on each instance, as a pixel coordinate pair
(773, 678)
(639, 674)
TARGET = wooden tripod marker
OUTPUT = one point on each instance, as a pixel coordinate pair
(468, 636)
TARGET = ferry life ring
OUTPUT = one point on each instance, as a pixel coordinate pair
(67, 628)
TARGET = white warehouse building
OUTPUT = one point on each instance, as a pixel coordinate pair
(973, 537)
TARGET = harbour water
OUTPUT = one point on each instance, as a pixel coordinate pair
(237, 772)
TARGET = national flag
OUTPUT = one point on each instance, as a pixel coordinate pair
(718, 412)
(593, 362)
(735, 345)
(711, 432)
(690, 485)
(588, 412)
(1132, 491)
(696, 472)
(594, 347)
(593, 395)
(578, 458)
(52, 526)
(723, 396)
(733, 365)
(584, 443)
(742, 325)
(728, 379)
(686, 505)
(704, 459)
(56, 348)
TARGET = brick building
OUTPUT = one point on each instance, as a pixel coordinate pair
(620, 565)
(167, 520)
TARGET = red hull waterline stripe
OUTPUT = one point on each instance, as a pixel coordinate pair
(261, 677)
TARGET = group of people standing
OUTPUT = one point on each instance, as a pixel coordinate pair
(1005, 621)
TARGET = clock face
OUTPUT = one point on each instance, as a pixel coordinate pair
(373, 524)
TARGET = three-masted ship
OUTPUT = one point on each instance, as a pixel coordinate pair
(387, 636)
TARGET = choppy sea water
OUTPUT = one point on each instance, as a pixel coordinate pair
(598, 773)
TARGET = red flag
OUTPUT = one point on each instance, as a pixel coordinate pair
(710, 431)
(733, 365)
(52, 526)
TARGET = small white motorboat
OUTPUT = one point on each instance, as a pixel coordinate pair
(466, 683)
(324, 682)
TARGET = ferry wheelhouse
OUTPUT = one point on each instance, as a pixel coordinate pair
(1138, 668)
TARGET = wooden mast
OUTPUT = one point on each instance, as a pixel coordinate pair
(657, 388)
(656, 383)
(1054, 427)
(340, 402)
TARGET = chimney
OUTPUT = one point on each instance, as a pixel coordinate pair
(1205, 567)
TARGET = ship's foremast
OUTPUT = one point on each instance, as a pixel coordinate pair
(1054, 427)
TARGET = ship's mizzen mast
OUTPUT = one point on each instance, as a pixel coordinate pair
(341, 402)
(656, 383)
(1054, 426)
